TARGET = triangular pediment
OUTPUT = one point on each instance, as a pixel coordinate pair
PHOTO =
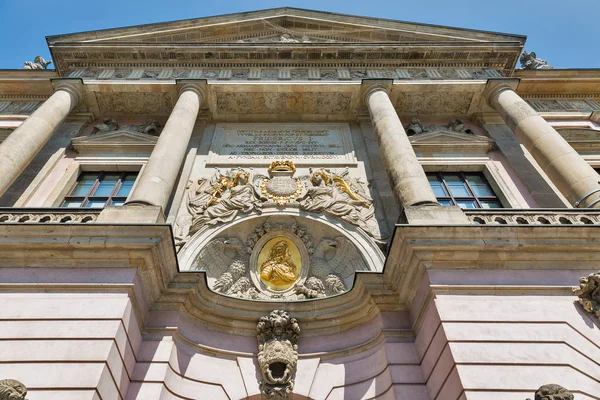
(297, 26)
(119, 141)
(449, 142)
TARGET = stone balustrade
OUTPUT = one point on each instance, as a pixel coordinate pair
(534, 217)
(48, 215)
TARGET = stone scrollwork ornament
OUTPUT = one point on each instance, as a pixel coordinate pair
(589, 293)
(11, 389)
(553, 392)
(278, 335)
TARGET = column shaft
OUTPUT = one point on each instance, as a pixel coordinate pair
(155, 184)
(23, 144)
(571, 174)
(409, 182)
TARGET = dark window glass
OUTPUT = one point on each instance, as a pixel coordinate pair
(466, 190)
(99, 189)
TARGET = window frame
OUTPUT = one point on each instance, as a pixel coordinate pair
(109, 199)
(454, 200)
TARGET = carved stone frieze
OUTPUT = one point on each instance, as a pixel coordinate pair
(434, 103)
(282, 103)
(60, 215)
(11, 389)
(589, 293)
(134, 103)
(553, 392)
(288, 74)
(18, 107)
(278, 335)
(558, 105)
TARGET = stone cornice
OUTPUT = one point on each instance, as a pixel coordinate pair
(415, 249)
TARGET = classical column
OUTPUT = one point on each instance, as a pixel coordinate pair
(409, 182)
(571, 174)
(22, 145)
(158, 178)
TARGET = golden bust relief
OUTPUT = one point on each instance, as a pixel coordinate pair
(279, 263)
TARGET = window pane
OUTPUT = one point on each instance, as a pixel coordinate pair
(466, 204)
(72, 203)
(490, 204)
(445, 202)
(107, 185)
(95, 203)
(456, 186)
(126, 185)
(118, 202)
(436, 186)
(480, 185)
(84, 184)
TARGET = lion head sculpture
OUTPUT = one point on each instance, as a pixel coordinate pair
(277, 336)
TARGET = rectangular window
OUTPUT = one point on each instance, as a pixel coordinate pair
(100, 189)
(466, 190)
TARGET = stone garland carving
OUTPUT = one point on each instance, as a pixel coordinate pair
(150, 127)
(589, 293)
(553, 392)
(529, 60)
(278, 335)
(226, 261)
(415, 127)
(38, 63)
(11, 389)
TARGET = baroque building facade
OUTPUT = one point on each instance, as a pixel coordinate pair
(292, 204)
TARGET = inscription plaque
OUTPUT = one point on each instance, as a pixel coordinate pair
(304, 144)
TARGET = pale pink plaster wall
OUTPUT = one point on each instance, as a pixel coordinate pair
(84, 343)
(504, 345)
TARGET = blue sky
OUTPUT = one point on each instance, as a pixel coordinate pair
(565, 33)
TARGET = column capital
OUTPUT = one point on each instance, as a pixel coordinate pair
(194, 85)
(74, 86)
(370, 86)
(497, 85)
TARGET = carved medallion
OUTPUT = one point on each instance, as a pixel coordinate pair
(279, 263)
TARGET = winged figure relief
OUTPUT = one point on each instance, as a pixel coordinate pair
(341, 196)
(226, 264)
(332, 268)
(222, 197)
